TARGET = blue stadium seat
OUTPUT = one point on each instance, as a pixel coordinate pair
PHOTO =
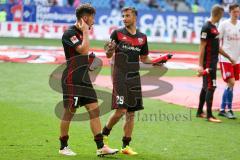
(140, 6)
(98, 3)
(206, 4)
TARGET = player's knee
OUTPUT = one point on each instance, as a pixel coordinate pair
(70, 110)
(68, 114)
(130, 116)
(93, 110)
(120, 112)
(94, 113)
(69, 107)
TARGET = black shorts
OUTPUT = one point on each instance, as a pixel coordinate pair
(209, 80)
(127, 94)
(77, 101)
(77, 94)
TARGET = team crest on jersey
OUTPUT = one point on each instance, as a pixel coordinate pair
(140, 40)
(228, 74)
(74, 39)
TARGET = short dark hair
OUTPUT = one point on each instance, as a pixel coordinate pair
(233, 6)
(131, 9)
(84, 9)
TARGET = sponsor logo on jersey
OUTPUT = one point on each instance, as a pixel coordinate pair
(131, 48)
(228, 74)
(233, 38)
(74, 39)
(140, 40)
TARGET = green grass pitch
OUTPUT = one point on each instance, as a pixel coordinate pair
(30, 129)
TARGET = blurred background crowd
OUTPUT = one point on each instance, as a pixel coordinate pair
(194, 6)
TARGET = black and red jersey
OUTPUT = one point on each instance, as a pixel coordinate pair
(76, 84)
(129, 48)
(126, 78)
(71, 38)
(210, 34)
(76, 63)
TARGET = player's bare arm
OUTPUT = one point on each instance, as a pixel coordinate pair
(222, 52)
(146, 59)
(84, 47)
(109, 48)
(203, 44)
(155, 61)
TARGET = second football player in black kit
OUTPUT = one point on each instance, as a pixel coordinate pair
(209, 49)
(129, 46)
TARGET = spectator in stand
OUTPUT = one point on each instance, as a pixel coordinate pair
(19, 1)
(73, 3)
(121, 4)
(113, 4)
(14, 1)
(53, 2)
(180, 6)
(3, 1)
(70, 2)
(28, 2)
(11, 1)
(227, 3)
(41, 2)
(196, 8)
(136, 1)
(76, 3)
(154, 4)
(3, 15)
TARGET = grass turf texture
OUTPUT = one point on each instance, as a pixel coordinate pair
(30, 129)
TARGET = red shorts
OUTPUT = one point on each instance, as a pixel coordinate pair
(229, 71)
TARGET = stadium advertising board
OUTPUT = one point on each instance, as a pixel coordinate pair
(50, 22)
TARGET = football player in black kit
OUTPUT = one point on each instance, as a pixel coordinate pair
(76, 84)
(209, 49)
(127, 46)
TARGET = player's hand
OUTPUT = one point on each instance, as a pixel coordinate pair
(82, 25)
(232, 61)
(200, 71)
(110, 46)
